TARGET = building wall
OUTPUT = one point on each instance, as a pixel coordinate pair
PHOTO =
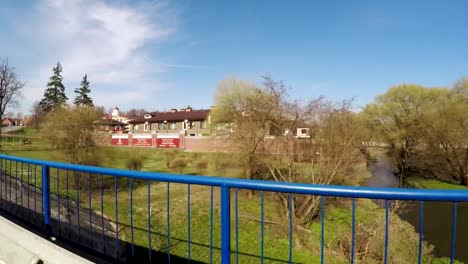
(6, 122)
(208, 144)
(195, 129)
(12, 122)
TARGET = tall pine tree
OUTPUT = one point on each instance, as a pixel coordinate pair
(54, 95)
(82, 93)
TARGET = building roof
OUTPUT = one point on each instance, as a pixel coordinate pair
(11, 119)
(158, 117)
(112, 122)
(129, 117)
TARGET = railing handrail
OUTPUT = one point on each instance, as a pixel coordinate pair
(262, 185)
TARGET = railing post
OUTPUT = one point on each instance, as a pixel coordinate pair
(46, 196)
(225, 225)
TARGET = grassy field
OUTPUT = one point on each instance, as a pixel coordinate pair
(306, 239)
(276, 244)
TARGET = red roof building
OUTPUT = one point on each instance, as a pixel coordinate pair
(189, 121)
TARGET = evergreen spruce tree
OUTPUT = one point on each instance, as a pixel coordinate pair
(54, 95)
(82, 93)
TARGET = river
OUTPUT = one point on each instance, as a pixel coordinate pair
(437, 229)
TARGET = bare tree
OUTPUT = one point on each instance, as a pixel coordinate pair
(328, 156)
(10, 87)
(100, 109)
(136, 112)
(36, 114)
(264, 119)
(250, 112)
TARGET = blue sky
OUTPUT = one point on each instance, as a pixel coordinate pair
(164, 54)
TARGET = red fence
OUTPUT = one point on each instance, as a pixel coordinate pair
(173, 140)
(149, 140)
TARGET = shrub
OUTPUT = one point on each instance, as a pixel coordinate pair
(221, 165)
(74, 134)
(201, 165)
(179, 164)
(169, 156)
(135, 163)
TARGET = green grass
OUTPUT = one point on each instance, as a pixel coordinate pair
(25, 131)
(423, 183)
(306, 239)
(276, 243)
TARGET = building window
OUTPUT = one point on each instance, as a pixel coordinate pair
(187, 125)
(203, 125)
(136, 127)
(146, 127)
(172, 125)
(161, 126)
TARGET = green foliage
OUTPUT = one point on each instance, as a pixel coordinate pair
(54, 95)
(425, 129)
(72, 131)
(82, 93)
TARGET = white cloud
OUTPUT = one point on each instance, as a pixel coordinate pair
(110, 41)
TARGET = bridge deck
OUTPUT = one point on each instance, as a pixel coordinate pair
(18, 245)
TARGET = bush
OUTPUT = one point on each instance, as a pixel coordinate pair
(195, 155)
(201, 165)
(135, 163)
(179, 164)
(73, 134)
(221, 164)
(169, 156)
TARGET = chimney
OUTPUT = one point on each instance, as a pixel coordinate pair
(188, 109)
(173, 110)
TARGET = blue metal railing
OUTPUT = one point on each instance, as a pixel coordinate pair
(227, 186)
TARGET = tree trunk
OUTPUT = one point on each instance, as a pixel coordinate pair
(463, 181)
(249, 174)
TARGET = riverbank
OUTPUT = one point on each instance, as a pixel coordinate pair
(437, 230)
(423, 183)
